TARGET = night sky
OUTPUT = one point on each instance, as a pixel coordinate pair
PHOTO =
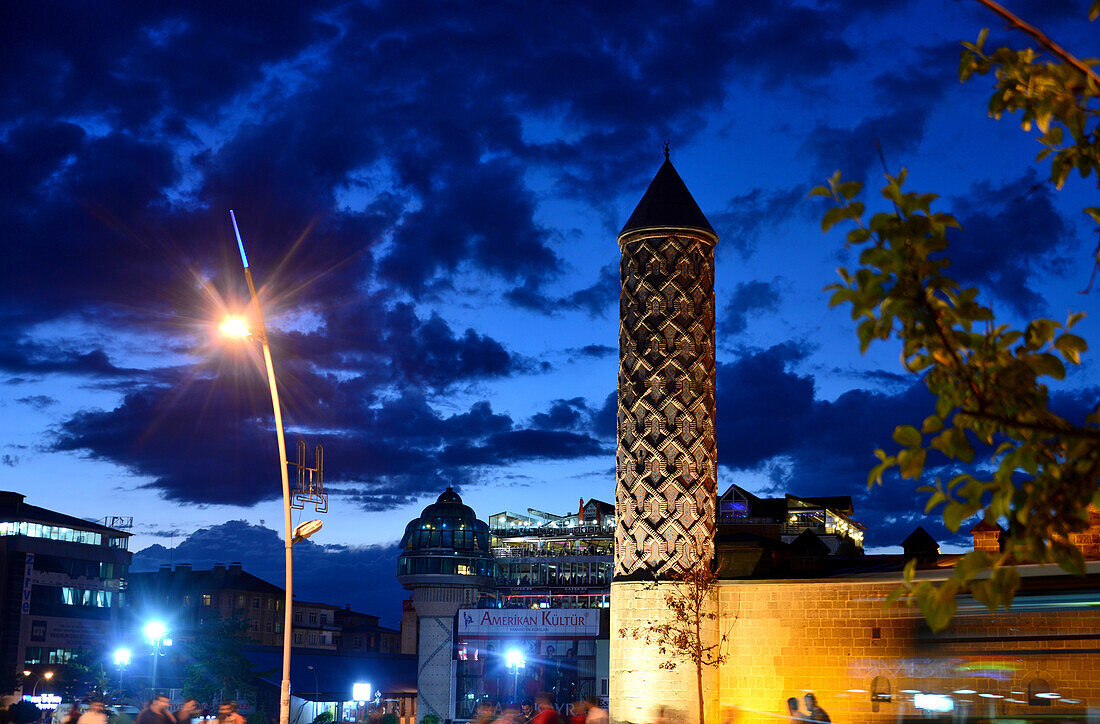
(429, 195)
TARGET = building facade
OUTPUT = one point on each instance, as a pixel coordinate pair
(61, 589)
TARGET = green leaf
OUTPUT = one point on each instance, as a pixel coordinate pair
(911, 462)
(932, 423)
(907, 435)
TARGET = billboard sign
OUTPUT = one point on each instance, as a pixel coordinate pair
(570, 623)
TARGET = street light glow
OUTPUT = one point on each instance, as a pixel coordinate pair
(48, 675)
(514, 659)
(155, 630)
(235, 327)
(122, 657)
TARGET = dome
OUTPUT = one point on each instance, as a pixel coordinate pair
(446, 540)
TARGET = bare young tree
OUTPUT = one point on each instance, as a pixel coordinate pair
(682, 637)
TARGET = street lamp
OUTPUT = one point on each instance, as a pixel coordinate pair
(122, 660)
(38, 679)
(238, 328)
(513, 658)
(157, 633)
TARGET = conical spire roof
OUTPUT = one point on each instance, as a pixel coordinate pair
(667, 203)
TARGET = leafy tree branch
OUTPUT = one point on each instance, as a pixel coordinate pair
(1038, 471)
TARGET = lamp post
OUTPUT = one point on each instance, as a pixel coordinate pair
(122, 660)
(291, 536)
(38, 679)
(157, 634)
(513, 658)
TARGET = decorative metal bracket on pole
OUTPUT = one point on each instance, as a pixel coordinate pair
(311, 481)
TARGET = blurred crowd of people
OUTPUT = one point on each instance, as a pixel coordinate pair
(540, 710)
(95, 711)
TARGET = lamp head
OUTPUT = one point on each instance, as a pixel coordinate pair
(155, 630)
(122, 657)
(235, 327)
(48, 675)
(305, 530)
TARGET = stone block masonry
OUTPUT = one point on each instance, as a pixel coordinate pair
(835, 639)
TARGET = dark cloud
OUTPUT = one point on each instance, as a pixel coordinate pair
(316, 565)
(37, 402)
(594, 351)
(9, 460)
(595, 299)
(748, 215)
(748, 299)
(570, 414)
(906, 100)
(205, 439)
(1011, 234)
(769, 419)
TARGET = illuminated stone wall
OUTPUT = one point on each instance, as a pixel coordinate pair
(833, 638)
(666, 457)
(638, 686)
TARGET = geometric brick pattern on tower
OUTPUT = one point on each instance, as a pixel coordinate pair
(666, 456)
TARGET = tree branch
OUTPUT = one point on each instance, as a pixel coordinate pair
(1026, 27)
(1067, 431)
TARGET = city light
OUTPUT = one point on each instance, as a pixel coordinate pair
(155, 631)
(360, 691)
(514, 659)
(122, 657)
(933, 702)
(235, 327)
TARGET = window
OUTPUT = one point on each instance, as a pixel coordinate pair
(269, 627)
(240, 600)
(297, 617)
(313, 639)
(186, 600)
(297, 638)
(278, 627)
(255, 602)
(324, 618)
(313, 617)
(357, 642)
(271, 604)
(207, 599)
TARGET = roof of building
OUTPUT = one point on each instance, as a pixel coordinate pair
(983, 527)
(667, 203)
(13, 508)
(182, 578)
(920, 539)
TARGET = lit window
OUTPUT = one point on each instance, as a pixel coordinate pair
(207, 600)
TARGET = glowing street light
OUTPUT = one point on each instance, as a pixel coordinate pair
(39, 678)
(157, 633)
(122, 660)
(236, 327)
(513, 659)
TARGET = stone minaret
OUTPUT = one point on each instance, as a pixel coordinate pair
(666, 458)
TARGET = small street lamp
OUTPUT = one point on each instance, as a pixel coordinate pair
(157, 633)
(39, 678)
(513, 658)
(122, 660)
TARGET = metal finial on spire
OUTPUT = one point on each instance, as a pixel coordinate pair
(666, 149)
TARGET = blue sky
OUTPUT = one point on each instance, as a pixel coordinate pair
(430, 198)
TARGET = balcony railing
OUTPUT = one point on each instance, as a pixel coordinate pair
(553, 531)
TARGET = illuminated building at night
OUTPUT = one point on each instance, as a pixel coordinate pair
(62, 588)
